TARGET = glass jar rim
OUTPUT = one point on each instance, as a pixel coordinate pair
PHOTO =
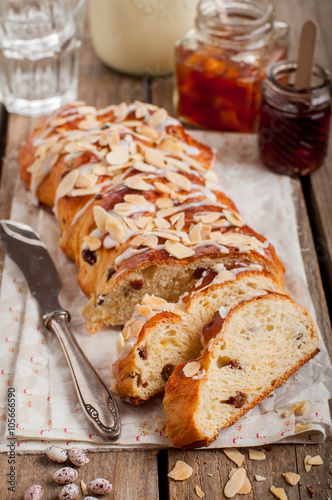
(208, 20)
(291, 65)
(75, 8)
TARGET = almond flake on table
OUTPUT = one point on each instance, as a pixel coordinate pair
(181, 471)
(84, 488)
(235, 483)
(256, 455)
(291, 409)
(260, 478)
(199, 492)
(316, 460)
(292, 478)
(278, 493)
(246, 487)
(234, 455)
(307, 466)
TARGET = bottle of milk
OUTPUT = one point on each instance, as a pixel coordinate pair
(137, 36)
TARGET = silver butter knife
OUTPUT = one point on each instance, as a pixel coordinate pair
(30, 254)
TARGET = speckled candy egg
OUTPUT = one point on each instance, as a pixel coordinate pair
(69, 492)
(100, 486)
(35, 492)
(57, 454)
(77, 457)
(65, 475)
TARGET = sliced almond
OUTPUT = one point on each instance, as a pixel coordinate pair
(130, 223)
(212, 217)
(307, 466)
(166, 212)
(302, 427)
(195, 233)
(119, 345)
(176, 217)
(278, 493)
(88, 124)
(131, 123)
(100, 215)
(154, 302)
(138, 241)
(164, 203)
(167, 236)
(158, 117)
(144, 310)
(113, 139)
(234, 455)
(85, 191)
(118, 155)
(123, 209)
(136, 199)
(86, 110)
(235, 483)
(194, 163)
(180, 222)
(179, 180)
(67, 183)
(140, 111)
(256, 455)
(143, 221)
(246, 487)
(100, 169)
(141, 166)
(181, 471)
(317, 460)
(233, 217)
(135, 328)
(291, 478)
(302, 408)
(92, 242)
(148, 132)
(137, 183)
(199, 492)
(191, 368)
(126, 333)
(290, 410)
(115, 228)
(86, 180)
(151, 242)
(84, 488)
(179, 164)
(162, 223)
(178, 250)
(163, 188)
(260, 478)
(155, 157)
(171, 146)
(120, 110)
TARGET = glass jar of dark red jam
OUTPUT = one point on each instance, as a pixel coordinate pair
(294, 126)
(221, 63)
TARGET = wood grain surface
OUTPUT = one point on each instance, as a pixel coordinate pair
(140, 475)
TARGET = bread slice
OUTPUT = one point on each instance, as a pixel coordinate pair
(257, 346)
(160, 335)
(139, 206)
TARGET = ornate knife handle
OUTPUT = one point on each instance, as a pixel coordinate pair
(97, 402)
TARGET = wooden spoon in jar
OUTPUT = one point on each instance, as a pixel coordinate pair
(306, 54)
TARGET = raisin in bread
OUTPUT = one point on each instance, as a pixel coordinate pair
(253, 347)
(139, 206)
(161, 334)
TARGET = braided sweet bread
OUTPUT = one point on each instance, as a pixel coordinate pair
(138, 203)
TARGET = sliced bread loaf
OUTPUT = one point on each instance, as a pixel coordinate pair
(160, 335)
(252, 350)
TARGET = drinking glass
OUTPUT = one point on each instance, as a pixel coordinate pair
(39, 49)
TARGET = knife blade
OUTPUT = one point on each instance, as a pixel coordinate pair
(30, 254)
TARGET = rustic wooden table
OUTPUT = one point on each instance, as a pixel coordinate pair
(143, 474)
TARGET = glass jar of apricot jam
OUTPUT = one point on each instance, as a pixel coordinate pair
(294, 127)
(221, 63)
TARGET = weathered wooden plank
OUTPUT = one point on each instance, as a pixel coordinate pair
(124, 469)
